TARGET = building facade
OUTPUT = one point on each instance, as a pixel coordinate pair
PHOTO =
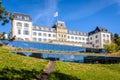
(23, 29)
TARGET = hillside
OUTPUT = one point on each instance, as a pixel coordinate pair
(14, 66)
(78, 71)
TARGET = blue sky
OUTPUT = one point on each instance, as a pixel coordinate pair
(80, 15)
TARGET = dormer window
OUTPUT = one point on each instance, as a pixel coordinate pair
(26, 18)
(19, 17)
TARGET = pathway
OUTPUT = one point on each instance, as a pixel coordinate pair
(49, 69)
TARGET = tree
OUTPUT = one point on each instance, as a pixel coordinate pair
(116, 36)
(116, 40)
(111, 47)
(5, 17)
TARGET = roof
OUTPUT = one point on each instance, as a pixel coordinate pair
(98, 29)
(60, 24)
(21, 16)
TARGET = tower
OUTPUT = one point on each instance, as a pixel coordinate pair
(22, 27)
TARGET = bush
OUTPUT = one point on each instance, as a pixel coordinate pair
(112, 47)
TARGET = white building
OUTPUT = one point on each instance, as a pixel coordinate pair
(23, 29)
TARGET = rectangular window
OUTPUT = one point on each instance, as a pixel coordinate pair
(72, 37)
(45, 40)
(87, 39)
(64, 36)
(39, 34)
(79, 38)
(97, 41)
(34, 39)
(96, 36)
(90, 38)
(83, 38)
(49, 35)
(104, 40)
(68, 37)
(49, 39)
(34, 33)
(39, 39)
(27, 39)
(19, 31)
(103, 35)
(26, 25)
(44, 34)
(26, 32)
(18, 24)
(54, 35)
(76, 38)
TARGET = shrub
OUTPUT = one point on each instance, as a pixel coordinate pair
(112, 47)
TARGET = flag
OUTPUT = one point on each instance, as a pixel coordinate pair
(55, 14)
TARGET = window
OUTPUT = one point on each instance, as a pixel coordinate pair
(90, 38)
(103, 40)
(68, 37)
(19, 17)
(49, 35)
(39, 39)
(72, 37)
(87, 39)
(19, 31)
(49, 39)
(26, 18)
(76, 38)
(103, 35)
(27, 39)
(39, 34)
(44, 34)
(26, 32)
(64, 36)
(97, 41)
(96, 36)
(83, 38)
(54, 35)
(26, 25)
(39, 28)
(45, 40)
(79, 38)
(18, 24)
(34, 33)
(107, 41)
(34, 39)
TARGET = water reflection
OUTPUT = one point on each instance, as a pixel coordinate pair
(62, 57)
(73, 58)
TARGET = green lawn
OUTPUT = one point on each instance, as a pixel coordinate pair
(15, 67)
(77, 71)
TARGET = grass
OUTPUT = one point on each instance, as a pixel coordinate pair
(78, 71)
(17, 67)
(13, 66)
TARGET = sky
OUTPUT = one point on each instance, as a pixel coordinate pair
(79, 15)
